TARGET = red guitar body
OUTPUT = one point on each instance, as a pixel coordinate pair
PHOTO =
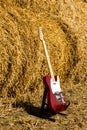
(56, 101)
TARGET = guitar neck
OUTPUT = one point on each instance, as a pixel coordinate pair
(47, 56)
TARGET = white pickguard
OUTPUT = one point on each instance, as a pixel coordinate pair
(55, 86)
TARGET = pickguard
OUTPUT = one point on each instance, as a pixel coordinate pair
(55, 85)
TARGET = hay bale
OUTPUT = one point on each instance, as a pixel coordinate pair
(22, 60)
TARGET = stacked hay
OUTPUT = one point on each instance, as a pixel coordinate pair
(22, 60)
(75, 27)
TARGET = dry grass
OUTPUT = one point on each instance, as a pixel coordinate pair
(22, 60)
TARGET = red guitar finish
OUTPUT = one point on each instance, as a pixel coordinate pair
(57, 101)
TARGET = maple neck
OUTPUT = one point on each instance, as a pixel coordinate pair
(46, 53)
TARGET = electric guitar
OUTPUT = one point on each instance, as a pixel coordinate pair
(55, 97)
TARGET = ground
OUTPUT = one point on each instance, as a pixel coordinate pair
(25, 116)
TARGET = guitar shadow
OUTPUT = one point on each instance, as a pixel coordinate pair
(36, 111)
